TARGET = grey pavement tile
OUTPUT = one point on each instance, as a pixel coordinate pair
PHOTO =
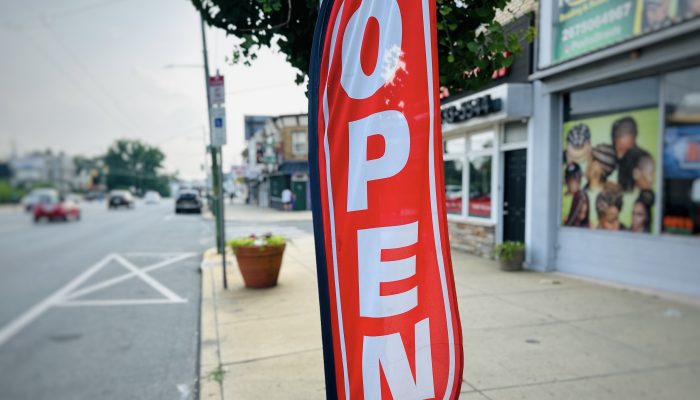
(295, 376)
(472, 396)
(585, 302)
(499, 282)
(526, 355)
(484, 312)
(679, 383)
(250, 340)
(673, 338)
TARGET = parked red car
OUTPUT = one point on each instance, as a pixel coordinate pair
(54, 207)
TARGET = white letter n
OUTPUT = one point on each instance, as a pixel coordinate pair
(387, 352)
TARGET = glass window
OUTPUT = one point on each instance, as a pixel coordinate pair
(455, 146)
(481, 141)
(299, 146)
(681, 153)
(480, 187)
(453, 186)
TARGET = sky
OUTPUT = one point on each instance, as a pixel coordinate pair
(75, 75)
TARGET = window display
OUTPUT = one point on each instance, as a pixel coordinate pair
(610, 142)
(480, 187)
(476, 180)
(453, 186)
(681, 154)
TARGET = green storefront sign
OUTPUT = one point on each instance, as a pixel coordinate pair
(581, 26)
(585, 25)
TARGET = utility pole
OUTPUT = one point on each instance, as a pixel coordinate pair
(217, 203)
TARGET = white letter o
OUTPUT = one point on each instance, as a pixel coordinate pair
(353, 78)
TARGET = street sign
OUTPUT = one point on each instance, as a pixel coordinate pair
(217, 94)
(390, 324)
(218, 126)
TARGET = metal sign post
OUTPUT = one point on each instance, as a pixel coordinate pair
(217, 138)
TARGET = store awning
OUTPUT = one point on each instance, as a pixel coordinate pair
(292, 167)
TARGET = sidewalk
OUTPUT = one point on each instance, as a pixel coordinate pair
(527, 335)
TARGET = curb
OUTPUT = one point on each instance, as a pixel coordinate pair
(211, 371)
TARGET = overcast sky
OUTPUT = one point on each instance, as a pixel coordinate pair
(77, 74)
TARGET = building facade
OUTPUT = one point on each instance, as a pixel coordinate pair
(486, 152)
(277, 159)
(614, 150)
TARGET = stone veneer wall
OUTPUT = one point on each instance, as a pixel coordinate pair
(474, 239)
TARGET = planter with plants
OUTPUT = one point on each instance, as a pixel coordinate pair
(511, 255)
(259, 259)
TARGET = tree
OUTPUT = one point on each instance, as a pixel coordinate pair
(471, 44)
(131, 163)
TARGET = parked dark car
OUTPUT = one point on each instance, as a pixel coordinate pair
(120, 198)
(54, 207)
(188, 201)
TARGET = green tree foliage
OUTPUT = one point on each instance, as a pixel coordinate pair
(131, 163)
(471, 45)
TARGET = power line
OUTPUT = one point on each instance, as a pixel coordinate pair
(76, 60)
(73, 82)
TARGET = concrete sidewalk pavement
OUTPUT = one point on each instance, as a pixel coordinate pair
(527, 335)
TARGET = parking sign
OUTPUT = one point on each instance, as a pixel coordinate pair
(218, 126)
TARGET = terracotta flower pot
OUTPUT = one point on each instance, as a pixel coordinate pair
(260, 266)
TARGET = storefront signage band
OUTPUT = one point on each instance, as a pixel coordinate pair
(478, 107)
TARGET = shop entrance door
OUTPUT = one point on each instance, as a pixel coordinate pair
(514, 195)
(299, 191)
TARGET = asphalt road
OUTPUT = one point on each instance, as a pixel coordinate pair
(102, 308)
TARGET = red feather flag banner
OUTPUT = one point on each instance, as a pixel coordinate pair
(390, 324)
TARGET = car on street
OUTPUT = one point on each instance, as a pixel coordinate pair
(120, 198)
(152, 197)
(188, 201)
(53, 207)
(35, 195)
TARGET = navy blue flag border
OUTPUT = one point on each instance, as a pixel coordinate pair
(316, 204)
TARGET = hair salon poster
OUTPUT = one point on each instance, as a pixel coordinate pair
(609, 171)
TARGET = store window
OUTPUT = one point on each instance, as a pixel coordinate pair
(610, 157)
(299, 146)
(681, 153)
(480, 186)
(453, 186)
(468, 190)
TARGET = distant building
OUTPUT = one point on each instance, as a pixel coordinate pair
(46, 167)
(276, 157)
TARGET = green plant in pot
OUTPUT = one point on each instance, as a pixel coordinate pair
(511, 255)
(259, 258)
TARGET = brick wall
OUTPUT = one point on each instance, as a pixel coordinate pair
(474, 239)
(287, 144)
(515, 9)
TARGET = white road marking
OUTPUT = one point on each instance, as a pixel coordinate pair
(66, 295)
(125, 302)
(11, 329)
(168, 217)
(167, 293)
(122, 278)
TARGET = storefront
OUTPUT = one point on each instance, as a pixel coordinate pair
(617, 143)
(485, 157)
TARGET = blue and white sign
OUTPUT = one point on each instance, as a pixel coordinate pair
(218, 126)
